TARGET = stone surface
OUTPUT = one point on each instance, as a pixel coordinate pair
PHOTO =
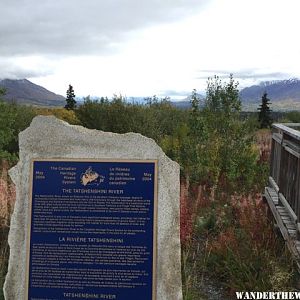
(48, 137)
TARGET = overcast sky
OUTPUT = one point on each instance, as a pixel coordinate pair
(147, 47)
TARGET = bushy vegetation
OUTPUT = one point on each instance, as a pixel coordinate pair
(292, 116)
(226, 232)
(234, 243)
(60, 113)
(13, 119)
(211, 144)
(155, 119)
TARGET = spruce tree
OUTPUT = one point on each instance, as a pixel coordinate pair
(71, 102)
(195, 101)
(264, 116)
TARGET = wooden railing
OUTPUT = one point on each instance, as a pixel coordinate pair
(285, 168)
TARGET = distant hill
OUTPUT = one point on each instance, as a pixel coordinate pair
(25, 92)
(278, 91)
(284, 95)
(183, 104)
(186, 102)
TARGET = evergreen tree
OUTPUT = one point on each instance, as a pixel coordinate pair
(195, 101)
(71, 102)
(264, 116)
(2, 92)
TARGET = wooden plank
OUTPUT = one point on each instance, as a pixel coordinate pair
(291, 227)
(288, 221)
(291, 124)
(282, 212)
(284, 215)
(285, 234)
(292, 230)
(273, 194)
(291, 132)
(291, 151)
(288, 218)
(298, 229)
(294, 146)
(277, 137)
(276, 215)
(281, 208)
(276, 164)
(274, 186)
(288, 208)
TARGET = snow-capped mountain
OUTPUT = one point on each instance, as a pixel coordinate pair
(278, 91)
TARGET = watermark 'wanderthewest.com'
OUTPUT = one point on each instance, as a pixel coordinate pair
(267, 295)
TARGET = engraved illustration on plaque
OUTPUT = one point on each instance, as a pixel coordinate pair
(90, 177)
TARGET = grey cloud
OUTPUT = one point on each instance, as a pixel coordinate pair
(243, 74)
(76, 27)
(175, 93)
(8, 69)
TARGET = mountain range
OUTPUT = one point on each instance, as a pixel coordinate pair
(279, 90)
(25, 92)
(284, 94)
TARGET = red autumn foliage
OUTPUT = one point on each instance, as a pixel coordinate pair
(246, 208)
(251, 215)
(185, 213)
(192, 198)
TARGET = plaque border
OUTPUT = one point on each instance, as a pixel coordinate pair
(155, 211)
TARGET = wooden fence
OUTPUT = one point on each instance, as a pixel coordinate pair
(284, 180)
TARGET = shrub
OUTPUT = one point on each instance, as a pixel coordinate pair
(156, 120)
(293, 116)
(13, 119)
(220, 148)
(61, 113)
